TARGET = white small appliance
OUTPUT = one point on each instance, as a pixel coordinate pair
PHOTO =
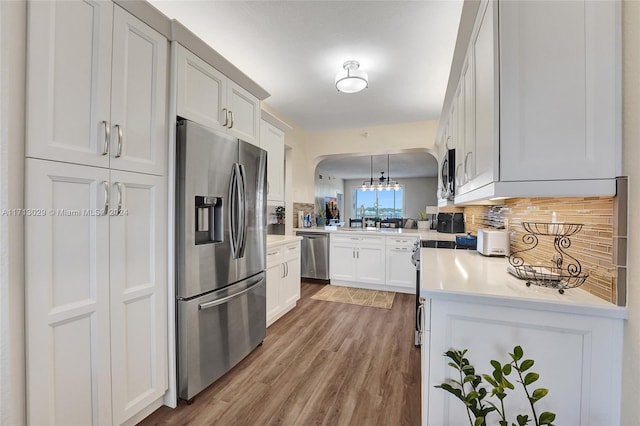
(493, 242)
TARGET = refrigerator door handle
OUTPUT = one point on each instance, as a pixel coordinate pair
(233, 209)
(217, 302)
(242, 238)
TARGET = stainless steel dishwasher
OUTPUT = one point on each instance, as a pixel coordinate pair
(314, 255)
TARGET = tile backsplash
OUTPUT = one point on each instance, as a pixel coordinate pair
(592, 246)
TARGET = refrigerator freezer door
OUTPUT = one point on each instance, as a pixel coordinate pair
(218, 330)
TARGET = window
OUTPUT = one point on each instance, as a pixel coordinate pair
(383, 204)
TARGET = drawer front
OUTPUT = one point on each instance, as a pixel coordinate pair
(291, 251)
(377, 241)
(401, 241)
(274, 256)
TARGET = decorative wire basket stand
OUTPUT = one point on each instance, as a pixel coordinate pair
(564, 271)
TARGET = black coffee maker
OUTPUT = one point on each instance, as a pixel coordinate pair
(451, 223)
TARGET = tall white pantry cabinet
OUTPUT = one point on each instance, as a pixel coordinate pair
(96, 233)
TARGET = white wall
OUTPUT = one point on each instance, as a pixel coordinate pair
(418, 193)
(631, 155)
(12, 330)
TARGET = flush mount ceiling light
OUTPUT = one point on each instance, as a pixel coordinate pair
(351, 80)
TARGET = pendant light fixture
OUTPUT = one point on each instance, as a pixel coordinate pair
(382, 182)
(352, 79)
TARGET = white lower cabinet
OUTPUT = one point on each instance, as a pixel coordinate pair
(357, 258)
(283, 279)
(95, 293)
(373, 261)
(577, 355)
(400, 272)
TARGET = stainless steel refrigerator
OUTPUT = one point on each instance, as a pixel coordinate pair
(220, 250)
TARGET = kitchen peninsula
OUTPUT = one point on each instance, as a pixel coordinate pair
(575, 338)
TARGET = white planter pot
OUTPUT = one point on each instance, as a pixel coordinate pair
(424, 224)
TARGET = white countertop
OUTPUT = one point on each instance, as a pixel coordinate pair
(422, 234)
(466, 274)
(276, 240)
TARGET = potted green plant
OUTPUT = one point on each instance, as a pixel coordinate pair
(280, 213)
(470, 389)
(423, 222)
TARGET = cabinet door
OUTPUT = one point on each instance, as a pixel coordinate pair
(370, 264)
(400, 272)
(290, 286)
(202, 91)
(138, 96)
(469, 139)
(138, 253)
(244, 114)
(272, 141)
(485, 122)
(69, 81)
(342, 261)
(558, 100)
(274, 276)
(67, 294)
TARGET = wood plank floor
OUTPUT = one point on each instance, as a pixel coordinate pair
(324, 363)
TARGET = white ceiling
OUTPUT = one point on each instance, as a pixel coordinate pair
(295, 48)
(408, 165)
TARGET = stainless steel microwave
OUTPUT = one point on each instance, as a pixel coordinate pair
(447, 175)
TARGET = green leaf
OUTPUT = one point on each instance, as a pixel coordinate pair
(471, 396)
(503, 423)
(526, 364)
(506, 369)
(530, 378)
(468, 379)
(522, 420)
(517, 353)
(454, 366)
(546, 418)
(496, 365)
(490, 380)
(538, 394)
(479, 421)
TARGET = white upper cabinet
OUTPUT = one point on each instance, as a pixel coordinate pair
(138, 96)
(208, 97)
(538, 117)
(97, 87)
(558, 97)
(69, 81)
(272, 141)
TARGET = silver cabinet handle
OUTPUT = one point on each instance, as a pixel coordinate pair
(467, 176)
(107, 136)
(358, 254)
(106, 198)
(231, 114)
(119, 186)
(272, 253)
(226, 117)
(287, 265)
(283, 271)
(353, 253)
(119, 150)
